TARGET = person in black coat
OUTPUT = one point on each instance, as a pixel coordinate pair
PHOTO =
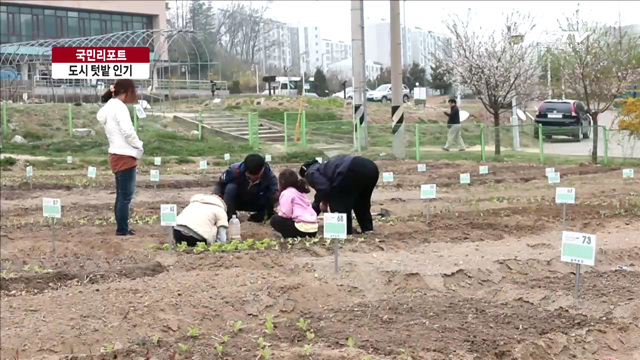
(343, 184)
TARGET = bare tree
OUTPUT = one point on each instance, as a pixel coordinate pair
(495, 66)
(597, 69)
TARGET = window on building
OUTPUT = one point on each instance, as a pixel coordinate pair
(72, 27)
(61, 27)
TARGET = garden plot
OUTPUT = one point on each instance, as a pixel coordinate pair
(482, 279)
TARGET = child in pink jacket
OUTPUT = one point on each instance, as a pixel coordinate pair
(296, 217)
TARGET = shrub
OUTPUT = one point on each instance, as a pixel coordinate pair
(235, 87)
(7, 161)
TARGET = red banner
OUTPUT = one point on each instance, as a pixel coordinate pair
(100, 55)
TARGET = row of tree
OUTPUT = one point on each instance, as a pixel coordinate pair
(498, 66)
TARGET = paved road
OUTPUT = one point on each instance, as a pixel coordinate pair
(620, 145)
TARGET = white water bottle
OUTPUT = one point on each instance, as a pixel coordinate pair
(234, 228)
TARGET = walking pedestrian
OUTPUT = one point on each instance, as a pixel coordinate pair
(125, 148)
(343, 184)
(295, 216)
(455, 129)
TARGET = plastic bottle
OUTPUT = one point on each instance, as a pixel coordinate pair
(234, 228)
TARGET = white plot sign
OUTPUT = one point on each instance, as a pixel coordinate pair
(465, 178)
(69, 159)
(203, 164)
(428, 191)
(155, 175)
(627, 173)
(268, 158)
(422, 167)
(157, 161)
(387, 177)
(168, 214)
(578, 248)
(483, 170)
(549, 171)
(565, 195)
(51, 208)
(91, 172)
(227, 156)
(554, 178)
(335, 226)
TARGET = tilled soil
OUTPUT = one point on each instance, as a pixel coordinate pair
(479, 278)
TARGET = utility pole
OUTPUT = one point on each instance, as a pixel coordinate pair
(549, 72)
(357, 64)
(397, 110)
(405, 41)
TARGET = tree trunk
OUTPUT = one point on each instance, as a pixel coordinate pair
(594, 150)
(496, 129)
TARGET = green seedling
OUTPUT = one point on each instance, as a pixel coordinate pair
(26, 267)
(181, 247)
(266, 353)
(237, 326)
(367, 357)
(216, 248)
(155, 339)
(183, 347)
(193, 331)
(40, 270)
(7, 275)
(303, 324)
(406, 354)
(351, 342)
(166, 247)
(108, 348)
(219, 348)
(261, 342)
(308, 349)
(225, 339)
(310, 335)
(153, 246)
(200, 247)
(269, 324)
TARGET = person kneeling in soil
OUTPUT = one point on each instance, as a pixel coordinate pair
(203, 220)
(343, 184)
(296, 217)
(249, 186)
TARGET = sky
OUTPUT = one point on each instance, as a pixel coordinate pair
(334, 17)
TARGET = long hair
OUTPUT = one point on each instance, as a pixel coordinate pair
(288, 178)
(122, 86)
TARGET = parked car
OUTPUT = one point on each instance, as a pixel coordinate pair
(383, 94)
(349, 91)
(564, 117)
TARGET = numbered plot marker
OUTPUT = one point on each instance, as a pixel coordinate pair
(69, 159)
(465, 178)
(627, 173)
(203, 164)
(483, 170)
(91, 172)
(29, 171)
(335, 226)
(227, 156)
(319, 159)
(549, 171)
(157, 161)
(387, 177)
(155, 175)
(268, 157)
(51, 208)
(554, 178)
(578, 248)
(168, 214)
(422, 167)
(565, 195)
(428, 191)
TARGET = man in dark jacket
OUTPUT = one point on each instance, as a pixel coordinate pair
(343, 184)
(455, 129)
(249, 186)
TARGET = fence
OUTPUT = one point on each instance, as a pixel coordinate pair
(422, 140)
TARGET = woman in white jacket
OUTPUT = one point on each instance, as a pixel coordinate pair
(125, 148)
(203, 220)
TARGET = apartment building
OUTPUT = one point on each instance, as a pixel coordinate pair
(337, 50)
(311, 48)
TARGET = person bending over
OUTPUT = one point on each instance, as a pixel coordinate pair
(343, 184)
(249, 186)
(203, 220)
(296, 217)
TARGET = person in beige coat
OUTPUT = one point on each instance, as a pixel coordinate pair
(203, 220)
